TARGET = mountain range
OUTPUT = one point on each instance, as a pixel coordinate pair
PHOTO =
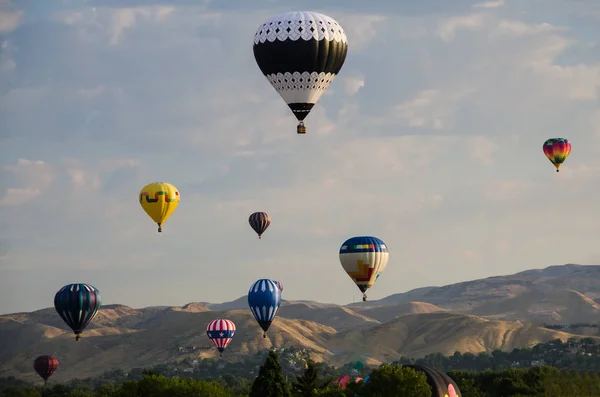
(503, 312)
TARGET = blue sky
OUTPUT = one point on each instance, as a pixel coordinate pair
(430, 139)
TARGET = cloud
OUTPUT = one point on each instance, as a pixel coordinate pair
(448, 28)
(490, 4)
(10, 16)
(26, 180)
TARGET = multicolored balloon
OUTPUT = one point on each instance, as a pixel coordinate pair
(220, 332)
(441, 384)
(159, 200)
(77, 305)
(259, 221)
(557, 150)
(264, 299)
(45, 366)
(300, 53)
(364, 258)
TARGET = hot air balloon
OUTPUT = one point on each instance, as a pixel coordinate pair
(264, 299)
(300, 53)
(279, 285)
(343, 381)
(220, 332)
(557, 150)
(45, 366)
(159, 200)
(77, 305)
(259, 221)
(364, 258)
(441, 384)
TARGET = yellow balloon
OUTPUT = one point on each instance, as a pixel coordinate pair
(159, 200)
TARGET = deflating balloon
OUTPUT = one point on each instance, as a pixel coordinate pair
(45, 366)
(220, 332)
(557, 150)
(77, 305)
(159, 200)
(300, 53)
(441, 384)
(259, 221)
(264, 299)
(364, 258)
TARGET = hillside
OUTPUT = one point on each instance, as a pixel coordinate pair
(481, 315)
(493, 295)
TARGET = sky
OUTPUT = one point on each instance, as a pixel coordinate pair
(430, 138)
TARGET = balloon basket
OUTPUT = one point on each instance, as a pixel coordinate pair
(301, 129)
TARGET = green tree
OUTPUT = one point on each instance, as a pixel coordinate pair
(22, 391)
(392, 381)
(330, 392)
(270, 381)
(306, 385)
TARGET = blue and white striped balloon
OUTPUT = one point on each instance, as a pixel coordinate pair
(264, 299)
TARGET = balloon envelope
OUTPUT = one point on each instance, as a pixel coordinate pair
(557, 150)
(441, 384)
(45, 366)
(300, 53)
(364, 258)
(77, 304)
(220, 332)
(159, 200)
(259, 221)
(264, 299)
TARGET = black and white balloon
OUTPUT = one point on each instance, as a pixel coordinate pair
(300, 53)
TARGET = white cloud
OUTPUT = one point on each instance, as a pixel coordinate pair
(490, 4)
(450, 26)
(25, 180)
(353, 84)
(10, 16)
(126, 18)
(18, 196)
(482, 149)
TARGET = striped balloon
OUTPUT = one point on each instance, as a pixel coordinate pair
(77, 305)
(259, 221)
(220, 332)
(264, 299)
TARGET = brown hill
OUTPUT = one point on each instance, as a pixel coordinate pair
(338, 317)
(157, 337)
(552, 306)
(415, 335)
(483, 297)
(480, 315)
(387, 313)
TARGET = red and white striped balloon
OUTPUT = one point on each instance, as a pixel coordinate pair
(220, 332)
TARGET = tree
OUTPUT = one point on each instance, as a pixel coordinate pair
(306, 384)
(270, 381)
(393, 381)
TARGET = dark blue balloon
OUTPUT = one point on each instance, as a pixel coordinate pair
(77, 305)
(264, 299)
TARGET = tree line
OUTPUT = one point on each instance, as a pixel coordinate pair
(574, 354)
(388, 380)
